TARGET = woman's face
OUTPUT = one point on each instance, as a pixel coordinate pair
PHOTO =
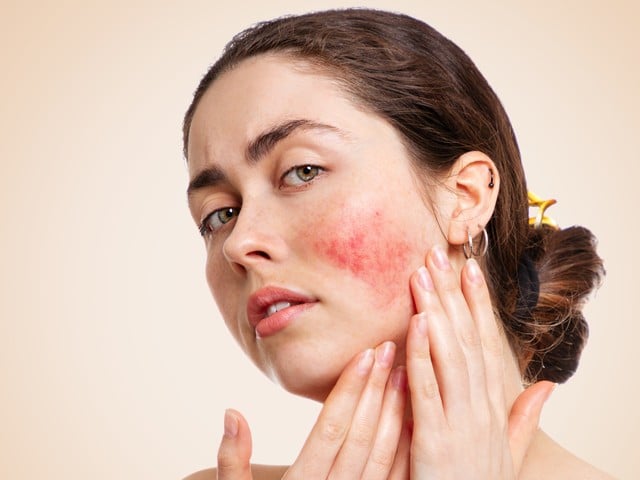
(313, 220)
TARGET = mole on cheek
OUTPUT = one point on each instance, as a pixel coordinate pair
(369, 247)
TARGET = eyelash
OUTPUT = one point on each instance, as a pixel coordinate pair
(204, 226)
(234, 211)
(296, 168)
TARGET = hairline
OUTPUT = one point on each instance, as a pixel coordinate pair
(345, 81)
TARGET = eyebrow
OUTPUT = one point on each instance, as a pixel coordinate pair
(258, 149)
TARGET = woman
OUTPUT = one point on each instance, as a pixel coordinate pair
(328, 153)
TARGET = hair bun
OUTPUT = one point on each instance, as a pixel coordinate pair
(569, 269)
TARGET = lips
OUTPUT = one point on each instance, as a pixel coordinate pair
(276, 307)
(271, 309)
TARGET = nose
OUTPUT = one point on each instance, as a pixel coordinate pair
(256, 239)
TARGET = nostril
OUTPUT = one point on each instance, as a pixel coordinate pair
(242, 263)
(247, 245)
(262, 254)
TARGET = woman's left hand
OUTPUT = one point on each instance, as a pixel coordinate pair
(455, 365)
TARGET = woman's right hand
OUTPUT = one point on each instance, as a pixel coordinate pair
(360, 432)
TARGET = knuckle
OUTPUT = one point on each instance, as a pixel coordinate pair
(382, 458)
(430, 390)
(449, 284)
(361, 438)
(456, 359)
(492, 344)
(421, 353)
(332, 431)
(471, 339)
(378, 381)
(226, 460)
(361, 433)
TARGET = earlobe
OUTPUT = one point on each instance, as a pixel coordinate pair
(476, 182)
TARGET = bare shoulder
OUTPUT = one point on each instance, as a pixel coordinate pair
(547, 459)
(260, 472)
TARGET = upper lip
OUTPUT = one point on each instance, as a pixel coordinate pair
(260, 300)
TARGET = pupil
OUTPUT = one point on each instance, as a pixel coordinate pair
(227, 214)
(307, 170)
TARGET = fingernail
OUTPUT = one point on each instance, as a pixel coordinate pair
(474, 274)
(366, 362)
(440, 258)
(399, 378)
(230, 424)
(424, 279)
(421, 324)
(385, 353)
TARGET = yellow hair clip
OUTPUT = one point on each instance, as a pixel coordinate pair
(541, 219)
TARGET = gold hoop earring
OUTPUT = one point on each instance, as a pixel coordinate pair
(468, 248)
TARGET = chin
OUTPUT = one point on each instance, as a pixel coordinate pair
(307, 388)
(307, 377)
(308, 362)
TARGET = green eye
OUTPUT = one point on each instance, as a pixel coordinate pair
(226, 214)
(216, 219)
(306, 173)
(300, 175)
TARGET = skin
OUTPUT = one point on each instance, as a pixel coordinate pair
(415, 376)
(362, 245)
(350, 238)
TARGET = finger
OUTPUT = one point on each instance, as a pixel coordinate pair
(479, 300)
(400, 469)
(524, 419)
(424, 389)
(447, 283)
(357, 446)
(234, 454)
(330, 430)
(446, 355)
(384, 448)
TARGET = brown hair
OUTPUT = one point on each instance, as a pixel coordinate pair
(432, 93)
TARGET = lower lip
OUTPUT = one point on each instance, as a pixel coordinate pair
(281, 319)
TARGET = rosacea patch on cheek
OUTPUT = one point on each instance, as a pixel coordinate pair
(368, 246)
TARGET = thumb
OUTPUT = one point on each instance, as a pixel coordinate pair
(234, 453)
(525, 417)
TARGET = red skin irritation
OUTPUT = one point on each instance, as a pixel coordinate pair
(371, 249)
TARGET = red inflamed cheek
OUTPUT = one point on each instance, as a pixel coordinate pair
(367, 245)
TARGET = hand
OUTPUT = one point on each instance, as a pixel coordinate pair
(360, 432)
(455, 368)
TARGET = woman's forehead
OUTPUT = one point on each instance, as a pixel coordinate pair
(265, 91)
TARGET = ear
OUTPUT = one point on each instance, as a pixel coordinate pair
(476, 182)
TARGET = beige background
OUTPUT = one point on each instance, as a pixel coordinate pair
(113, 360)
